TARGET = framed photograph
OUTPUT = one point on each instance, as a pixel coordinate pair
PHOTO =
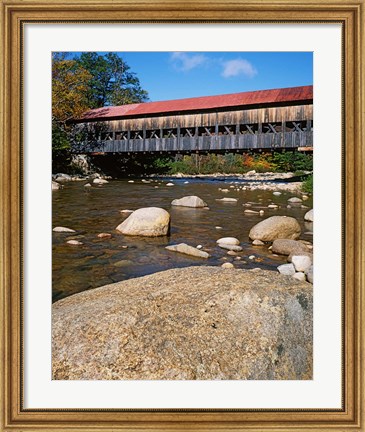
(161, 163)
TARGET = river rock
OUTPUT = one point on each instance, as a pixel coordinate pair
(74, 242)
(170, 184)
(277, 193)
(301, 262)
(294, 200)
(276, 227)
(308, 253)
(63, 229)
(147, 222)
(286, 269)
(104, 235)
(227, 265)
(189, 201)
(258, 243)
(188, 250)
(299, 276)
(272, 206)
(100, 181)
(232, 200)
(287, 247)
(228, 241)
(87, 185)
(309, 216)
(309, 274)
(190, 323)
(230, 247)
(126, 211)
(56, 186)
(248, 211)
(63, 177)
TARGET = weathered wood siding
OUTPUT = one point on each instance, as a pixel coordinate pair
(251, 116)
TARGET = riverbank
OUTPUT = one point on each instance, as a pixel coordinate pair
(194, 323)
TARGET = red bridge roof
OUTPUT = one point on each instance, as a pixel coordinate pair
(262, 97)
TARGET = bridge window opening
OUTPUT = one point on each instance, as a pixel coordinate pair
(296, 126)
(136, 135)
(271, 127)
(252, 129)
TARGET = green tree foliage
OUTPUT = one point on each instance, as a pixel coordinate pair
(112, 82)
(82, 83)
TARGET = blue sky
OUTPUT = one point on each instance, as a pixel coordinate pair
(177, 75)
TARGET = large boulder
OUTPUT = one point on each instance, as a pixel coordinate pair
(147, 222)
(195, 323)
(287, 247)
(189, 201)
(276, 227)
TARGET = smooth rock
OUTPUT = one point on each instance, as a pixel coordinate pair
(100, 181)
(299, 276)
(277, 193)
(130, 181)
(170, 184)
(251, 257)
(230, 200)
(199, 247)
(56, 186)
(231, 253)
(287, 247)
(147, 222)
(258, 243)
(276, 227)
(286, 269)
(123, 263)
(272, 206)
(87, 185)
(188, 250)
(261, 212)
(309, 274)
(309, 254)
(126, 211)
(301, 262)
(230, 247)
(294, 200)
(218, 227)
(74, 242)
(229, 240)
(104, 235)
(63, 229)
(248, 211)
(189, 201)
(309, 216)
(227, 265)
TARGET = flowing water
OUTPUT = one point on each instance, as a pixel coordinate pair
(95, 210)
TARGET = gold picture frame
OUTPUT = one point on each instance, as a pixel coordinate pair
(14, 13)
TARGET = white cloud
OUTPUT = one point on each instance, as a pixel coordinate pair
(238, 67)
(185, 62)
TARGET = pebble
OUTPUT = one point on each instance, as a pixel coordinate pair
(277, 193)
(63, 229)
(87, 185)
(258, 243)
(251, 257)
(228, 241)
(227, 265)
(199, 247)
(126, 211)
(104, 235)
(130, 181)
(247, 211)
(261, 212)
(186, 182)
(294, 200)
(170, 184)
(218, 227)
(227, 199)
(74, 242)
(231, 253)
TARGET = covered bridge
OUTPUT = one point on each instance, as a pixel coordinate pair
(258, 120)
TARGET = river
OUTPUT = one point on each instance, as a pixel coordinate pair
(97, 262)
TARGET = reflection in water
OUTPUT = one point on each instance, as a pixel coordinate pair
(103, 261)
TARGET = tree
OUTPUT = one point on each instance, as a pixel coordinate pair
(112, 82)
(69, 86)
